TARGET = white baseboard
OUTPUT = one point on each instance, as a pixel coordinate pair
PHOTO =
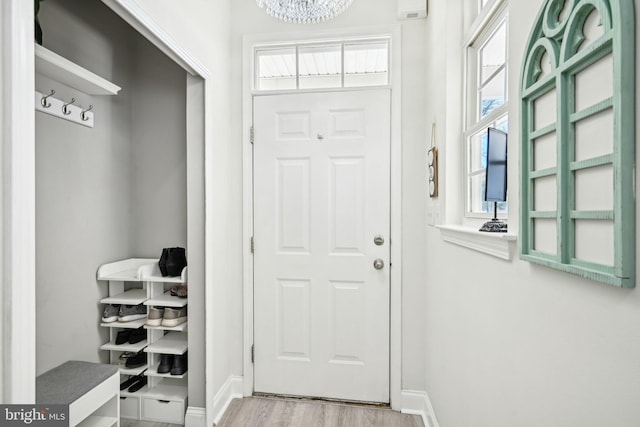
(418, 403)
(231, 389)
(195, 417)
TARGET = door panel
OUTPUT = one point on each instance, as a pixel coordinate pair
(346, 206)
(321, 194)
(292, 201)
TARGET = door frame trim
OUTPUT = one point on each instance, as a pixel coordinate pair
(395, 331)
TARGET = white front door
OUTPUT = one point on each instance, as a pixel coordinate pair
(321, 196)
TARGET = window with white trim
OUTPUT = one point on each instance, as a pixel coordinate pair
(343, 64)
(486, 100)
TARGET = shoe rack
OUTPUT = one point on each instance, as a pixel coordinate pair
(138, 281)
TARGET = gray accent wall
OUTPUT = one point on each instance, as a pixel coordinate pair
(108, 193)
(158, 152)
(83, 186)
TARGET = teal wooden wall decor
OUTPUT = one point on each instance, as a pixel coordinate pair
(559, 36)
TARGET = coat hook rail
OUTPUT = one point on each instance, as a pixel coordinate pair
(63, 109)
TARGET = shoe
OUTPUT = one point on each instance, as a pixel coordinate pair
(154, 318)
(139, 359)
(179, 365)
(174, 316)
(176, 261)
(125, 356)
(110, 313)
(132, 312)
(142, 381)
(162, 262)
(137, 335)
(128, 383)
(166, 363)
(179, 291)
(123, 336)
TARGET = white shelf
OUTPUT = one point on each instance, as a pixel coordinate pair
(172, 343)
(140, 393)
(130, 297)
(112, 346)
(500, 245)
(165, 390)
(151, 273)
(166, 300)
(132, 371)
(182, 327)
(128, 270)
(150, 402)
(52, 65)
(138, 270)
(168, 390)
(153, 372)
(98, 421)
(134, 324)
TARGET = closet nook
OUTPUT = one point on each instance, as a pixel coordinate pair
(111, 184)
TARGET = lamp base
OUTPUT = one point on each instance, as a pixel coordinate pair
(494, 226)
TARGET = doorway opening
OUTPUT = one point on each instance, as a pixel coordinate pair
(289, 291)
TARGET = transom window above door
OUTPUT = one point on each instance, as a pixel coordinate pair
(356, 63)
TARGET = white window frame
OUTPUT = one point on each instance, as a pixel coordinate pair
(319, 43)
(489, 20)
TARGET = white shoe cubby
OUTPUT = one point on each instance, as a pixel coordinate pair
(139, 281)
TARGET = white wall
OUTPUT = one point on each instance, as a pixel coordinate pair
(247, 18)
(509, 343)
(18, 225)
(3, 289)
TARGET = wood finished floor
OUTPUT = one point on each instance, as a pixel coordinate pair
(135, 423)
(268, 412)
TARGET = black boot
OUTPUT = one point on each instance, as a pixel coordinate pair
(166, 361)
(179, 365)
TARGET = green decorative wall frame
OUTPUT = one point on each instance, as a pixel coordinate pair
(558, 35)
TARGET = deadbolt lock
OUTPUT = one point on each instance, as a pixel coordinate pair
(378, 240)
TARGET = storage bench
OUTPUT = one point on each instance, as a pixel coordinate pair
(92, 391)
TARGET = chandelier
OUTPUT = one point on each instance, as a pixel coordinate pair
(305, 11)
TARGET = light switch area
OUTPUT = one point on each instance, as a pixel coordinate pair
(434, 216)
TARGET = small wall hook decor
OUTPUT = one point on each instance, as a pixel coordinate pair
(65, 107)
(83, 114)
(44, 102)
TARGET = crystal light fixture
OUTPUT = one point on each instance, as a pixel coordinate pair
(305, 11)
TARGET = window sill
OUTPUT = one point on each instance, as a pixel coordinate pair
(500, 245)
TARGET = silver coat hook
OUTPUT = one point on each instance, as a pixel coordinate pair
(44, 101)
(65, 108)
(83, 115)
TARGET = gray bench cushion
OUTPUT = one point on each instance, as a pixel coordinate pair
(70, 381)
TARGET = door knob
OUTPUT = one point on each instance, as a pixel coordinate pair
(378, 264)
